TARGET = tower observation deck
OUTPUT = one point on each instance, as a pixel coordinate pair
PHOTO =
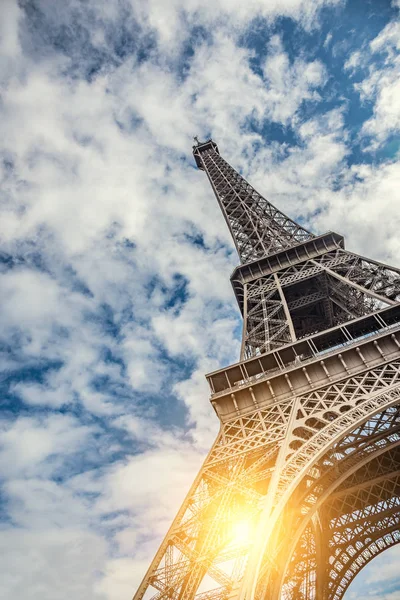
(301, 488)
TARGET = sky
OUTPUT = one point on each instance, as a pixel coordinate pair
(115, 259)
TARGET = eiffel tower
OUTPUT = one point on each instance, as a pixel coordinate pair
(301, 488)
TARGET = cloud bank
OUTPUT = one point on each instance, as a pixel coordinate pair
(115, 259)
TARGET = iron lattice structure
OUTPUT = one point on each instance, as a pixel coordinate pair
(301, 488)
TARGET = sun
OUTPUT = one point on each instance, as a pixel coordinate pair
(242, 532)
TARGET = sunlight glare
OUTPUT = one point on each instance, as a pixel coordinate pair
(241, 532)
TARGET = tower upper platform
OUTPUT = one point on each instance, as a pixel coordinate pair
(201, 147)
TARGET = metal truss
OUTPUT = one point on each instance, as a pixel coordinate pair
(301, 488)
(312, 296)
(257, 227)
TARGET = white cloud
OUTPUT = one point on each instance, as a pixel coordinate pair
(57, 563)
(101, 207)
(144, 490)
(39, 445)
(381, 86)
(167, 19)
(354, 61)
(288, 84)
(370, 197)
(386, 570)
(192, 392)
(65, 530)
(328, 40)
(380, 576)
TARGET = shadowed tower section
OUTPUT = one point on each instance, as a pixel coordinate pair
(301, 488)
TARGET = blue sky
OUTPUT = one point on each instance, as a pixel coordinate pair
(115, 260)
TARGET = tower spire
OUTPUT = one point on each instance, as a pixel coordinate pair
(257, 227)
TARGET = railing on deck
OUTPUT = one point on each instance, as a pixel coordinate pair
(303, 351)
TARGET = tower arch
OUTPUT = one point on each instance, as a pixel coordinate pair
(353, 519)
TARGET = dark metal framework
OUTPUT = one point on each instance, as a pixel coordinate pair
(302, 486)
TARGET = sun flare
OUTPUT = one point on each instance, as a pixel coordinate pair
(242, 532)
